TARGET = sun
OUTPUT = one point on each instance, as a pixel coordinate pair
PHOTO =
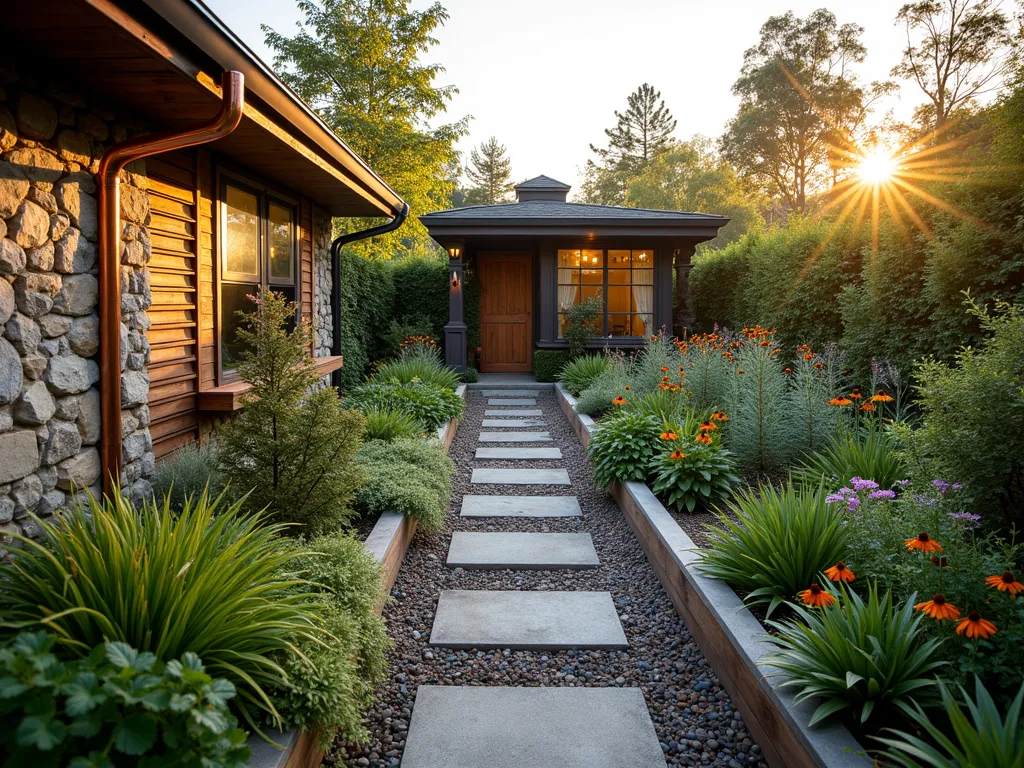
(876, 167)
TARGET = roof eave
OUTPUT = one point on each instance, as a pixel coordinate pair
(697, 229)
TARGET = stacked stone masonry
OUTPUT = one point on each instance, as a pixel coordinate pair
(52, 136)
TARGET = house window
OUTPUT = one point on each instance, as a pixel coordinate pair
(258, 250)
(625, 278)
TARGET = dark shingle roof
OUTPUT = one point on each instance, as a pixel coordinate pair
(551, 209)
(543, 182)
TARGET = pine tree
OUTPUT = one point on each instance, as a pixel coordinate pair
(642, 132)
(491, 170)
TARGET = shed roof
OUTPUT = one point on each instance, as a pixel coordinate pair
(543, 182)
(547, 210)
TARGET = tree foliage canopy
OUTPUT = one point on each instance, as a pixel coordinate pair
(491, 171)
(358, 63)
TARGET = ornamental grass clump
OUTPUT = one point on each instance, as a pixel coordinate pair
(658, 366)
(866, 659)
(665, 404)
(431, 405)
(773, 543)
(708, 369)
(581, 372)
(623, 445)
(291, 446)
(812, 384)
(188, 472)
(615, 382)
(206, 580)
(385, 424)
(869, 452)
(981, 736)
(418, 362)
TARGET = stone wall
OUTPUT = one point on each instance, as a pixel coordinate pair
(322, 320)
(52, 136)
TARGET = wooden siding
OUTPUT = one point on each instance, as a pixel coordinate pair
(175, 240)
(306, 271)
(208, 362)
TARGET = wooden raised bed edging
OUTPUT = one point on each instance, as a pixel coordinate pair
(388, 542)
(728, 634)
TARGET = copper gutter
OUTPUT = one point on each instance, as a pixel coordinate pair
(109, 215)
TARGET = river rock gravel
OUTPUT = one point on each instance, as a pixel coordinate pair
(693, 716)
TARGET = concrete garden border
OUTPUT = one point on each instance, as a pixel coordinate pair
(731, 638)
(388, 542)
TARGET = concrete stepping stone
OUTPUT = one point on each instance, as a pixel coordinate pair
(495, 727)
(514, 454)
(510, 392)
(512, 401)
(513, 423)
(526, 476)
(520, 412)
(522, 551)
(514, 437)
(488, 619)
(520, 506)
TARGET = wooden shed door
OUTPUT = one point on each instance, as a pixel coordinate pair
(506, 311)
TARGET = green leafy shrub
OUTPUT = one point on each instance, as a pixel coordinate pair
(421, 292)
(114, 707)
(206, 580)
(987, 738)
(717, 280)
(960, 405)
(384, 424)
(599, 397)
(430, 405)
(420, 364)
(579, 373)
(869, 453)
(547, 363)
(774, 543)
(367, 309)
(687, 474)
(412, 477)
(400, 330)
(331, 686)
(291, 446)
(863, 658)
(622, 447)
(469, 375)
(580, 321)
(189, 471)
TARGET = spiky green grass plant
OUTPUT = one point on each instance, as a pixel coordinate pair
(580, 373)
(386, 424)
(869, 453)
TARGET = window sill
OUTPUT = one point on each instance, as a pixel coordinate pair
(228, 397)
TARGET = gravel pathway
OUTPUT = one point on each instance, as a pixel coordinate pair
(693, 716)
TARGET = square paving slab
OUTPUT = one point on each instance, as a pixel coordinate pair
(520, 477)
(520, 506)
(518, 453)
(514, 437)
(520, 412)
(512, 423)
(512, 401)
(486, 619)
(510, 392)
(491, 727)
(522, 551)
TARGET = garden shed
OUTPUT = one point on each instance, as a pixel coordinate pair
(536, 257)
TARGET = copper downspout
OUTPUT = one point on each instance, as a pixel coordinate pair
(109, 203)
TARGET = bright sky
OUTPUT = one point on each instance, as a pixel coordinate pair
(545, 76)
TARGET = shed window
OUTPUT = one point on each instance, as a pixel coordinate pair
(624, 277)
(258, 250)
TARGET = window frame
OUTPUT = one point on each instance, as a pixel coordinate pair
(266, 195)
(605, 250)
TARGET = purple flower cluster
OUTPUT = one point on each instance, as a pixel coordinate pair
(882, 495)
(863, 485)
(967, 516)
(847, 495)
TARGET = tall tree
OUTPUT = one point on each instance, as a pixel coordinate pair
(798, 97)
(640, 134)
(956, 51)
(491, 171)
(357, 62)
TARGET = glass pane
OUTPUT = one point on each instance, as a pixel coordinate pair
(242, 238)
(618, 277)
(561, 325)
(568, 276)
(618, 325)
(281, 260)
(592, 258)
(643, 325)
(619, 298)
(289, 294)
(643, 259)
(233, 298)
(588, 292)
(618, 259)
(593, 277)
(569, 257)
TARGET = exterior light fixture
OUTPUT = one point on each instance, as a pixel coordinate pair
(455, 277)
(455, 252)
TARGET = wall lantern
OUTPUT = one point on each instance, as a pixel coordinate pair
(455, 277)
(455, 252)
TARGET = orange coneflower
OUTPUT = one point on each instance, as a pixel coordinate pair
(938, 609)
(809, 356)
(867, 407)
(922, 543)
(665, 378)
(816, 596)
(708, 426)
(1005, 583)
(627, 387)
(669, 436)
(664, 369)
(855, 394)
(663, 386)
(766, 343)
(881, 397)
(703, 437)
(739, 372)
(719, 416)
(787, 369)
(839, 572)
(819, 366)
(840, 401)
(677, 455)
(619, 400)
(976, 627)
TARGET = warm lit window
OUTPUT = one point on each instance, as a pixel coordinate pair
(258, 249)
(625, 278)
